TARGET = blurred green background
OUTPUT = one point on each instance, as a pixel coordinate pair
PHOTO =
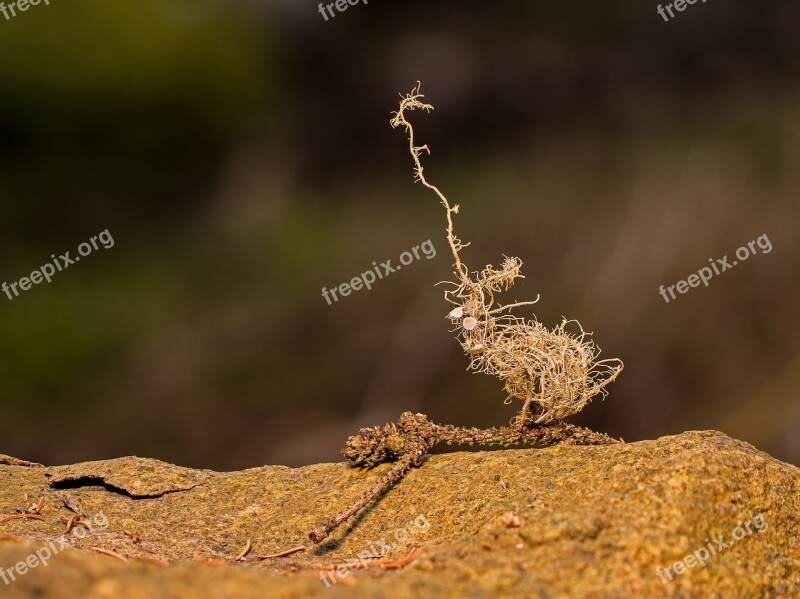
(240, 155)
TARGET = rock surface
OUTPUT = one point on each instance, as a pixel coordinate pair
(593, 522)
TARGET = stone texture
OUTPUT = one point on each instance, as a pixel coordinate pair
(138, 477)
(594, 522)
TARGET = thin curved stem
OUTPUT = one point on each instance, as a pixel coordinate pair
(412, 102)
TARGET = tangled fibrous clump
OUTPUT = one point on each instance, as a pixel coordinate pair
(554, 372)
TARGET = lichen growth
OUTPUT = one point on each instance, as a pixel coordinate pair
(554, 372)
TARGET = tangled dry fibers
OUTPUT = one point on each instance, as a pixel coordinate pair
(554, 372)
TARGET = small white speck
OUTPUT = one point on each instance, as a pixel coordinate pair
(456, 312)
(470, 322)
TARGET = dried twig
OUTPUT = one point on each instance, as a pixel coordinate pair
(109, 553)
(245, 551)
(73, 520)
(22, 516)
(34, 508)
(37, 509)
(396, 564)
(283, 553)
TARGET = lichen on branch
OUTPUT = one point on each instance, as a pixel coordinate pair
(554, 372)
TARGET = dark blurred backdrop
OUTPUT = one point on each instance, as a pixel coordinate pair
(240, 155)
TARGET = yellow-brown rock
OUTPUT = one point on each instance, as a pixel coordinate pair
(594, 522)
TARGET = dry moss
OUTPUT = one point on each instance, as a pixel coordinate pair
(554, 372)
